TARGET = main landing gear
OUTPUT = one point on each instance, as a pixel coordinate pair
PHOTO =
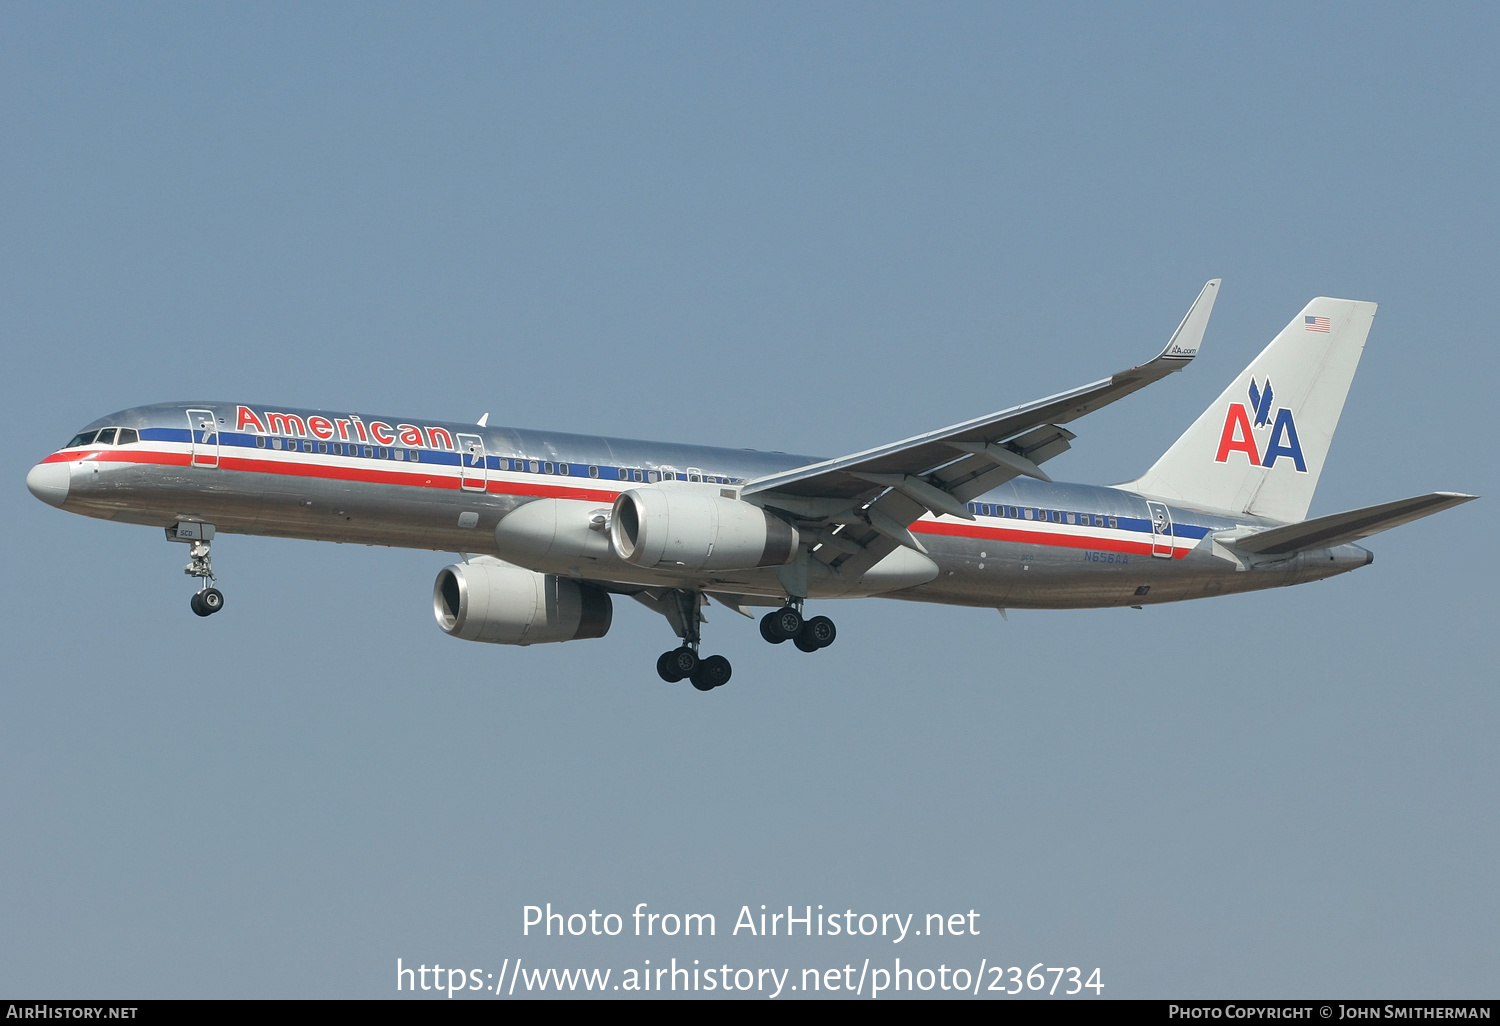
(208, 600)
(683, 610)
(706, 674)
(787, 624)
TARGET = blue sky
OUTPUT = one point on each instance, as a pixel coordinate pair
(807, 228)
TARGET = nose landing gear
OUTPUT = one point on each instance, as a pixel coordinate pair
(208, 600)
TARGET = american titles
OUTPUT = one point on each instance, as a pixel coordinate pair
(345, 429)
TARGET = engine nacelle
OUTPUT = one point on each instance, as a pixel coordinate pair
(685, 528)
(508, 605)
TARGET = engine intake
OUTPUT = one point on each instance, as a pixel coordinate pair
(508, 605)
(683, 528)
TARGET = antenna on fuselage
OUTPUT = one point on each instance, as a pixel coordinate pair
(484, 421)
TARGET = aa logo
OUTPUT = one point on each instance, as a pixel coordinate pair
(1239, 436)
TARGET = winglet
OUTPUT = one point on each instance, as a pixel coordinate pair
(1188, 338)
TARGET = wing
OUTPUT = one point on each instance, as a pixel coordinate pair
(866, 502)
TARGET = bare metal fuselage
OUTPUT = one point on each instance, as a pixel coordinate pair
(1032, 543)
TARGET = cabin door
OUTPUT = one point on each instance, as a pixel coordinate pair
(473, 467)
(203, 435)
(1161, 530)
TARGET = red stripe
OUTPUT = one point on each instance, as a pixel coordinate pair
(412, 479)
(1067, 541)
(550, 491)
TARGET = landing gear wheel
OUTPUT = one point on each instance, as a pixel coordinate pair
(196, 602)
(782, 625)
(805, 643)
(711, 673)
(768, 629)
(820, 631)
(211, 599)
(673, 666)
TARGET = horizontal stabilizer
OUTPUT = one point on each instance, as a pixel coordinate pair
(1324, 532)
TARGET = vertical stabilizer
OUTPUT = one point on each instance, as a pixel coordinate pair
(1260, 447)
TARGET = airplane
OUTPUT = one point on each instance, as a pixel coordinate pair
(550, 527)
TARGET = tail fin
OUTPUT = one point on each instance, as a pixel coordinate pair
(1260, 447)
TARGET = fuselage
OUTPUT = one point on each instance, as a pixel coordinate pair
(360, 479)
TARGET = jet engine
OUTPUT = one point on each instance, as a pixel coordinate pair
(683, 528)
(508, 605)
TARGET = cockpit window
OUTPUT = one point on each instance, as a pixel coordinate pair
(106, 437)
(87, 438)
(128, 436)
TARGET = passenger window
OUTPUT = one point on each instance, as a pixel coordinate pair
(260, 441)
(1113, 522)
(322, 446)
(593, 471)
(276, 443)
(637, 475)
(1072, 518)
(546, 468)
(653, 476)
(564, 469)
(307, 447)
(369, 452)
(1030, 513)
(416, 456)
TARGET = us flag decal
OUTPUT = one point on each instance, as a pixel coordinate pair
(1317, 323)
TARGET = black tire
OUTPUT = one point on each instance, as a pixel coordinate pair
(673, 666)
(806, 643)
(196, 602)
(786, 623)
(768, 629)
(664, 668)
(211, 599)
(821, 630)
(713, 672)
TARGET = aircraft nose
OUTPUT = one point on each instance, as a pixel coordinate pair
(49, 482)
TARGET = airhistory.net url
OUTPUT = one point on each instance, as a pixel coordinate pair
(516, 977)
